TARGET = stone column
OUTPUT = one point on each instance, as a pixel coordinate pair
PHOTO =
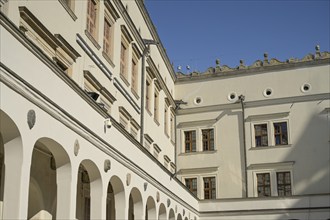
(17, 178)
(66, 197)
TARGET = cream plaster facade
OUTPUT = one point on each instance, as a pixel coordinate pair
(92, 126)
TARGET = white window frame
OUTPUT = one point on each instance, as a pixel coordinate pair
(270, 132)
(216, 185)
(273, 180)
(199, 139)
(183, 180)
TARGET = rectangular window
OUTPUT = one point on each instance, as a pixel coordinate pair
(263, 184)
(92, 17)
(166, 119)
(209, 188)
(190, 141)
(134, 80)
(107, 38)
(123, 60)
(191, 184)
(156, 105)
(281, 133)
(123, 122)
(283, 183)
(134, 132)
(261, 135)
(172, 127)
(208, 139)
(148, 95)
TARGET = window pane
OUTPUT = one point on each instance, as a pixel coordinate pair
(261, 135)
(263, 184)
(283, 183)
(281, 133)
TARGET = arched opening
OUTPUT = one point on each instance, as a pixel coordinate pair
(171, 215)
(162, 212)
(83, 206)
(110, 204)
(89, 192)
(11, 159)
(2, 171)
(118, 203)
(135, 208)
(186, 218)
(179, 217)
(150, 209)
(49, 160)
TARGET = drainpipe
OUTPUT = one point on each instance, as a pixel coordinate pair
(145, 53)
(241, 99)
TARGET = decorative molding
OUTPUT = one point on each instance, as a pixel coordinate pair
(107, 165)
(124, 112)
(187, 124)
(68, 9)
(157, 148)
(76, 147)
(126, 33)
(92, 39)
(320, 58)
(267, 116)
(128, 179)
(148, 138)
(270, 165)
(111, 9)
(198, 170)
(98, 86)
(167, 159)
(67, 47)
(31, 118)
(38, 27)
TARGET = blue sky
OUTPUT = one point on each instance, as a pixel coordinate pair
(197, 32)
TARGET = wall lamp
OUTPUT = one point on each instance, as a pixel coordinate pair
(107, 123)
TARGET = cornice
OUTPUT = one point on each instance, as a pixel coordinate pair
(258, 67)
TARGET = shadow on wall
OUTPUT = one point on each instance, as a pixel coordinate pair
(310, 152)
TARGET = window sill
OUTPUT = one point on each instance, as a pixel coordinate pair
(92, 39)
(197, 152)
(271, 147)
(68, 9)
(124, 79)
(135, 94)
(173, 142)
(107, 57)
(148, 111)
(156, 121)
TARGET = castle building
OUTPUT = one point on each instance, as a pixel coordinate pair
(96, 124)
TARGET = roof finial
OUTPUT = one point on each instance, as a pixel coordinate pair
(317, 52)
(241, 64)
(217, 62)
